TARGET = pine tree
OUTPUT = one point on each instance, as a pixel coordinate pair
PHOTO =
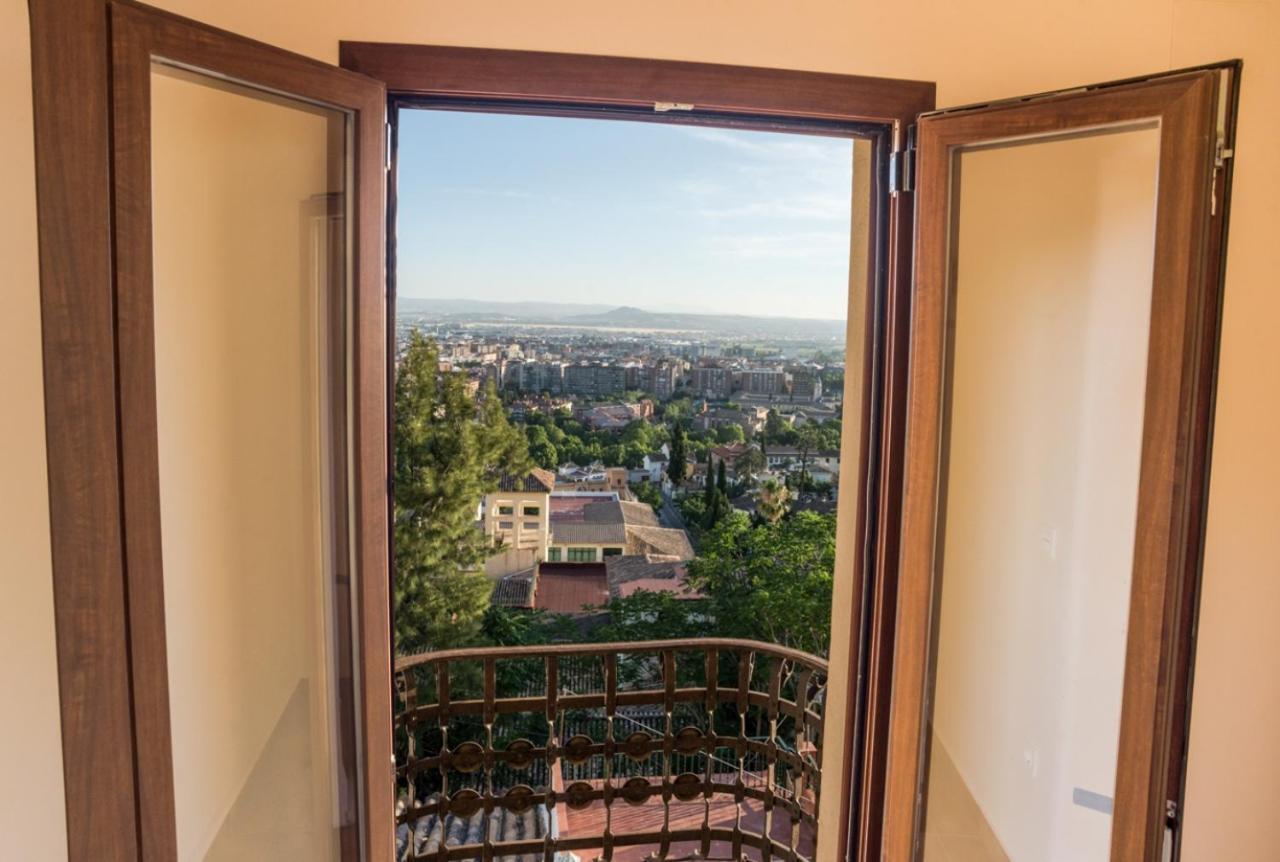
(722, 483)
(449, 452)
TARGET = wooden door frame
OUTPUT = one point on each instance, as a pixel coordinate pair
(1178, 408)
(558, 84)
(93, 211)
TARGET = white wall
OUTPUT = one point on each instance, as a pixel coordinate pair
(1052, 302)
(976, 51)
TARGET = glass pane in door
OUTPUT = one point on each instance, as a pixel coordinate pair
(1051, 281)
(250, 250)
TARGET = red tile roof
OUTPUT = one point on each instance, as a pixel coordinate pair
(567, 588)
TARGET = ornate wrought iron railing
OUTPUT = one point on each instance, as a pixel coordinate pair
(712, 748)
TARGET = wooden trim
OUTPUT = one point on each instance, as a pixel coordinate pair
(555, 83)
(1202, 440)
(597, 81)
(1183, 104)
(69, 88)
(885, 541)
(103, 483)
(139, 454)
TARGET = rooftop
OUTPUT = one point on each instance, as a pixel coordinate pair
(602, 520)
(536, 482)
(568, 588)
(514, 591)
(658, 573)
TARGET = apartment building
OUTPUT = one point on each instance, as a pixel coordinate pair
(806, 382)
(516, 517)
(713, 381)
(594, 380)
(763, 381)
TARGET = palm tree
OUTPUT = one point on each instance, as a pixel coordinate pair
(774, 501)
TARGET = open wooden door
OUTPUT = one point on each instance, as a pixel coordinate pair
(1064, 329)
(212, 236)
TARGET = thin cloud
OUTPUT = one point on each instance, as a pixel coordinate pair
(777, 146)
(782, 246)
(826, 207)
(512, 194)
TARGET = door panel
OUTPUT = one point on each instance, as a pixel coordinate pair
(1064, 292)
(250, 314)
(248, 206)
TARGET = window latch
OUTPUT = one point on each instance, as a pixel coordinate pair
(664, 107)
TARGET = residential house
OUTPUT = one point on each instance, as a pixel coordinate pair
(823, 464)
(517, 517)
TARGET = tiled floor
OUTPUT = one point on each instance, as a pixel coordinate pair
(955, 829)
(629, 818)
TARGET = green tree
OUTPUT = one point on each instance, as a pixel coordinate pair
(774, 426)
(722, 483)
(774, 501)
(646, 615)
(808, 441)
(541, 449)
(449, 452)
(730, 434)
(647, 492)
(749, 462)
(693, 508)
(770, 582)
(677, 465)
(640, 433)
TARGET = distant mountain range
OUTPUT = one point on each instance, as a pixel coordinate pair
(599, 316)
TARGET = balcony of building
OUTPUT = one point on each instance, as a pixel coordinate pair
(690, 749)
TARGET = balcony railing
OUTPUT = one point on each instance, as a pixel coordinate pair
(681, 749)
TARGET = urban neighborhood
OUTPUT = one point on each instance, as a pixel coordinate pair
(625, 469)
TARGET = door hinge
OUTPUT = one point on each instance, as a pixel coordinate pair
(902, 165)
(1221, 152)
(387, 161)
(1171, 813)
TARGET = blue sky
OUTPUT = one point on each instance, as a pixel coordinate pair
(663, 217)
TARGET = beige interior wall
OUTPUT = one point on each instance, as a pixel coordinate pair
(1053, 295)
(975, 51)
(239, 187)
(32, 817)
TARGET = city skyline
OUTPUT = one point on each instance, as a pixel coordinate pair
(660, 217)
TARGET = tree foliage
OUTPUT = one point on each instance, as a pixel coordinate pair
(770, 582)
(678, 463)
(646, 615)
(647, 492)
(730, 433)
(774, 501)
(450, 450)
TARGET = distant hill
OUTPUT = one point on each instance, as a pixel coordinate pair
(596, 316)
(516, 310)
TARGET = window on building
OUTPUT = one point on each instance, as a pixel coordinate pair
(505, 525)
(506, 510)
(582, 555)
(531, 525)
(612, 552)
(553, 555)
(533, 510)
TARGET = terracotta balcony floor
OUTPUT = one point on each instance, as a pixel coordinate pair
(684, 815)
